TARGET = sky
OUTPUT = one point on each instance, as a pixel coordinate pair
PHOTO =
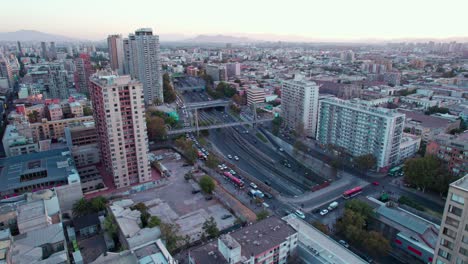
(303, 19)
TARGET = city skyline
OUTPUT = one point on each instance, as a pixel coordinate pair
(299, 21)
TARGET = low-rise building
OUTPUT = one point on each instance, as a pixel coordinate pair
(271, 240)
(453, 149)
(16, 144)
(54, 112)
(255, 95)
(55, 129)
(409, 146)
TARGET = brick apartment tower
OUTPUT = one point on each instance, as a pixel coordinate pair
(119, 113)
(83, 72)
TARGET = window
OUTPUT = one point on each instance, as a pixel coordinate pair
(457, 199)
(446, 243)
(455, 210)
(452, 222)
(465, 239)
(449, 233)
(445, 254)
(463, 251)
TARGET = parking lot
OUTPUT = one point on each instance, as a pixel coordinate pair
(175, 202)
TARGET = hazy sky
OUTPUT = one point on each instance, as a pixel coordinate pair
(315, 19)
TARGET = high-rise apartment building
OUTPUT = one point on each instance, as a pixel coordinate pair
(6, 71)
(44, 53)
(299, 104)
(452, 244)
(361, 130)
(255, 95)
(52, 51)
(83, 71)
(233, 69)
(213, 71)
(20, 50)
(58, 81)
(116, 53)
(119, 113)
(142, 56)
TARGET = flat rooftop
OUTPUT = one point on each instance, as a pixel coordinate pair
(58, 163)
(461, 184)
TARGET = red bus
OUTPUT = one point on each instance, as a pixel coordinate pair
(352, 192)
(234, 180)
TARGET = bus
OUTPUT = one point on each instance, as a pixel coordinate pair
(236, 181)
(352, 192)
(396, 171)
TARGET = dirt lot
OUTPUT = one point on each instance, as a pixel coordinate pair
(175, 201)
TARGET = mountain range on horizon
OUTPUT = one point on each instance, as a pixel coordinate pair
(37, 36)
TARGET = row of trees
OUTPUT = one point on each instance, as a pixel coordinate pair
(428, 173)
(353, 226)
(222, 90)
(147, 220)
(156, 122)
(168, 90)
(187, 149)
(84, 207)
(435, 109)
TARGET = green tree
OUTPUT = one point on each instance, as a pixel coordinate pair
(212, 161)
(276, 125)
(435, 109)
(170, 235)
(422, 172)
(262, 215)
(156, 127)
(81, 207)
(168, 90)
(365, 162)
(322, 227)
(210, 228)
(351, 225)
(98, 203)
(87, 111)
(110, 226)
(33, 116)
(207, 184)
(360, 207)
(154, 221)
(376, 244)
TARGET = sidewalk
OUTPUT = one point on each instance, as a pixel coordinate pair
(428, 196)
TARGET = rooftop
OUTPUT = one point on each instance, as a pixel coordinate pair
(425, 120)
(461, 184)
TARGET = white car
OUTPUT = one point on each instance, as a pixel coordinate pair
(229, 156)
(300, 214)
(236, 158)
(324, 212)
(253, 185)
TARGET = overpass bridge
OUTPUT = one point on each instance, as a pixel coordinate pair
(207, 104)
(198, 128)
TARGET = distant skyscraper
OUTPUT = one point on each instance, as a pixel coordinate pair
(361, 130)
(83, 72)
(52, 51)
(143, 58)
(119, 114)
(233, 69)
(116, 53)
(20, 50)
(44, 53)
(58, 81)
(299, 104)
(452, 244)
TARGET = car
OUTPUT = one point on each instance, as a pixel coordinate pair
(376, 183)
(342, 242)
(316, 211)
(220, 167)
(268, 195)
(253, 185)
(229, 156)
(267, 182)
(226, 216)
(281, 149)
(300, 214)
(233, 172)
(209, 197)
(287, 212)
(236, 158)
(288, 165)
(323, 212)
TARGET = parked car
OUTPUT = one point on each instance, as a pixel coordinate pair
(268, 195)
(316, 211)
(376, 183)
(236, 158)
(267, 182)
(281, 149)
(323, 212)
(229, 156)
(253, 185)
(226, 216)
(342, 242)
(208, 197)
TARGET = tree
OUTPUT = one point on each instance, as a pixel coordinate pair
(435, 109)
(321, 227)
(212, 161)
(262, 215)
(110, 226)
(33, 116)
(98, 203)
(237, 99)
(168, 90)
(81, 207)
(210, 228)
(276, 125)
(207, 184)
(360, 207)
(87, 111)
(351, 226)
(154, 221)
(423, 172)
(365, 162)
(376, 244)
(169, 233)
(156, 127)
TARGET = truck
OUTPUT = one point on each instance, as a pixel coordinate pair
(332, 206)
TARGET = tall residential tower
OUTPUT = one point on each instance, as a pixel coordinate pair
(119, 113)
(116, 53)
(142, 56)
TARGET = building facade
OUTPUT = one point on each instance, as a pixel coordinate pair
(116, 53)
(142, 54)
(299, 104)
(361, 130)
(452, 243)
(453, 149)
(255, 95)
(119, 113)
(83, 72)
